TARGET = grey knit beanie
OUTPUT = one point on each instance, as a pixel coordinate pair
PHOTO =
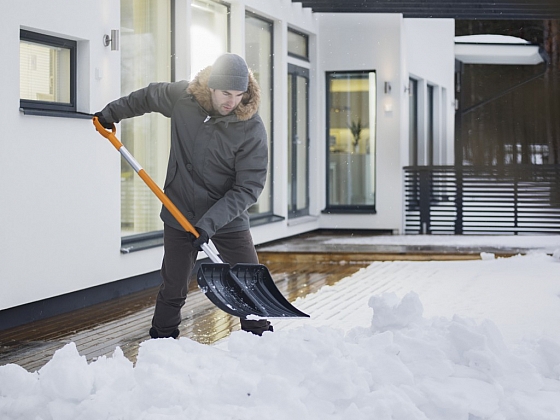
(229, 72)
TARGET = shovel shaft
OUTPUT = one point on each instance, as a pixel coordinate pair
(267, 301)
(110, 135)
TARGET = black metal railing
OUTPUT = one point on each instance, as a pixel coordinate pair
(514, 199)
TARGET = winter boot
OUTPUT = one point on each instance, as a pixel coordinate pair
(155, 334)
(257, 327)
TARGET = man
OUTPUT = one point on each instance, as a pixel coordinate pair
(216, 171)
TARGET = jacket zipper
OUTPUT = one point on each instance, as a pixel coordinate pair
(207, 118)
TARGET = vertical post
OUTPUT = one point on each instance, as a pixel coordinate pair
(425, 193)
(517, 174)
(459, 200)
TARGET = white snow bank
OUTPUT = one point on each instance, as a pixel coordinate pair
(403, 366)
(420, 340)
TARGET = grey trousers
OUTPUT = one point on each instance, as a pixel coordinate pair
(178, 262)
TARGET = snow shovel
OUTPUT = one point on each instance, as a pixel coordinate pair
(242, 290)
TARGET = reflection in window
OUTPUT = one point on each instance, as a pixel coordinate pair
(47, 65)
(145, 58)
(351, 163)
(298, 44)
(209, 33)
(258, 54)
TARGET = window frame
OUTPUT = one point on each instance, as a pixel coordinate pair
(331, 208)
(306, 38)
(53, 41)
(295, 71)
(141, 240)
(267, 216)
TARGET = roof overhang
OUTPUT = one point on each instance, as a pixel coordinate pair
(496, 49)
(463, 9)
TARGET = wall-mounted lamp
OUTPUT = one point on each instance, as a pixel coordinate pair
(112, 40)
(387, 87)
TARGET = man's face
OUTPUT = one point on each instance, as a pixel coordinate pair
(225, 101)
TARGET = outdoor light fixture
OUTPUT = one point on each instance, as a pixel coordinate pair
(387, 87)
(112, 40)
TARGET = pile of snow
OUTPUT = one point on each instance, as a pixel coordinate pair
(400, 364)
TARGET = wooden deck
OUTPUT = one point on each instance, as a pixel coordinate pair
(125, 322)
(299, 266)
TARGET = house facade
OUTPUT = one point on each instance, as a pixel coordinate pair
(348, 100)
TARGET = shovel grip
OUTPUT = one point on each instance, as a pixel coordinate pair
(110, 135)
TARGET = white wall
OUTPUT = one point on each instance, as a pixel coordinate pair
(395, 48)
(60, 180)
(430, 57)
(371, 42)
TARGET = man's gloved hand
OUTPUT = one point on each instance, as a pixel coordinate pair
(103, 121)
(202, 239)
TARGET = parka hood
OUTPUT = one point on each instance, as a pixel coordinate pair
(248, 106)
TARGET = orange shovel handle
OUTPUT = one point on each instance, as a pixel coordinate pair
(110, 135)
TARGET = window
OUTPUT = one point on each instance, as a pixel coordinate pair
(209, 33)
(258, 54)
(298, 141)
(430, 150)
(298, 44)
(145, 57)
(414, 148)
(351, 106)
(47, 72)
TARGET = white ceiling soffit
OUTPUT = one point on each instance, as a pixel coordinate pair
(496, 49)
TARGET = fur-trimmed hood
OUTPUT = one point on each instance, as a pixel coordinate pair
(248, 106)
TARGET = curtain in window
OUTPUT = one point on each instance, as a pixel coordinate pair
(145, 58)
(258, 54)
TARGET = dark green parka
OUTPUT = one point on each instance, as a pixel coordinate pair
(217, 164)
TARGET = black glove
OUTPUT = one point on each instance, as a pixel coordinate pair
(103, 121)
(202, 239)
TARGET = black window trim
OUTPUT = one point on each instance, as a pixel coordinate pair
(34, 107)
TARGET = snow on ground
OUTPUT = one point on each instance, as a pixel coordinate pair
(465, 340)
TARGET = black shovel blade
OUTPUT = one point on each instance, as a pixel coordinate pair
(215, 281)
(244, 290)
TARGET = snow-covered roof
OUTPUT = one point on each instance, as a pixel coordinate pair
(496, 49)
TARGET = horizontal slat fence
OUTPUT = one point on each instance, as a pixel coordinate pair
(514, 199)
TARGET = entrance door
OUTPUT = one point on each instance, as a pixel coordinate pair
(298, 141)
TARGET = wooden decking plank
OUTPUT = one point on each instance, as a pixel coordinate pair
(124, 322)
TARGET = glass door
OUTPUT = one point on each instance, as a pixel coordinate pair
(298, 141)
(351, 106)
